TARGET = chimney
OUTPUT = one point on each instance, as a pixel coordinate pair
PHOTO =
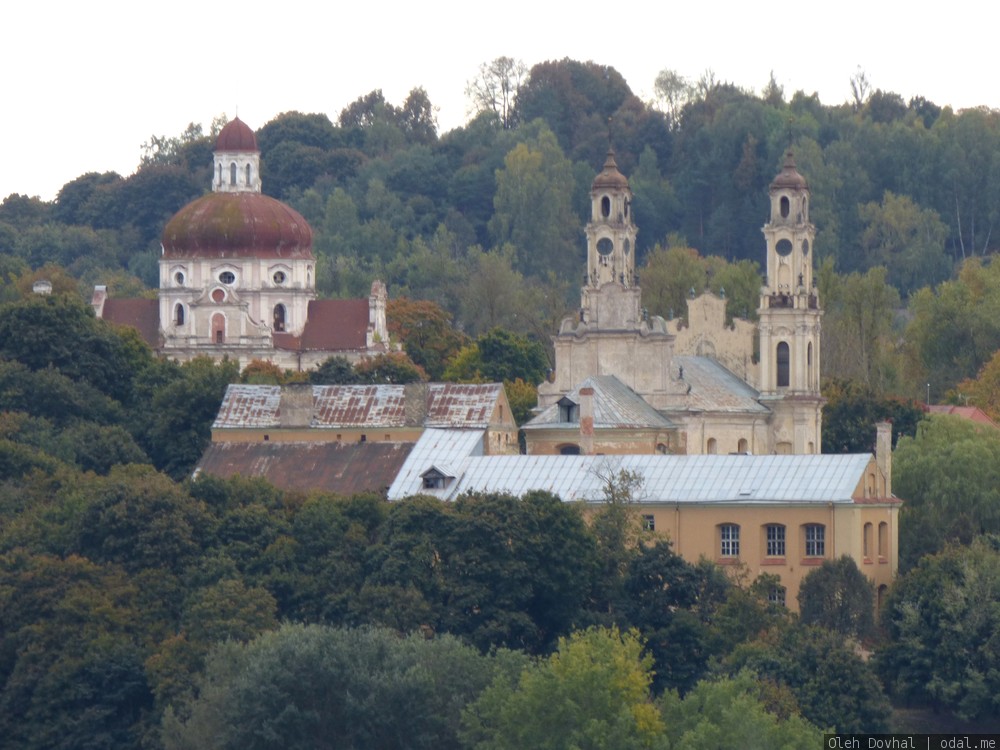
(883, 453)
(296, 406)
(416, 398)
(587, 421)
(97, 301)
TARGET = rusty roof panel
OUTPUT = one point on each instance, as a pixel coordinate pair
(465, 405)
(343, 468)
(358, 406)
(248, 406)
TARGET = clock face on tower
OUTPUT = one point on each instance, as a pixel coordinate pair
(605, 246)
(784, 247)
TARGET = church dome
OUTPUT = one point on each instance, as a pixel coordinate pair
(237, 225)
(789, 176)
(610, 177)
(236, 136)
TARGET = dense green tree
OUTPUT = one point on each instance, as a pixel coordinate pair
(390, 367)
(833, 686)
(948, 475)
(671, 602)
(499, 356)
(592, 693)
(943, 629)
(839, 597)
(852, 410)
(335, 370)
(859, 334)
(177, 427)
(907, 240)
(315, 687)
(61, 332)
(426, 333)
(532, 209)
(734, 712)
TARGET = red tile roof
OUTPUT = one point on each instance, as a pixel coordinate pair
(336, 324)
(141, 314)
(972, 413)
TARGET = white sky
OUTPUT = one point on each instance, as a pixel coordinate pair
(86, 83)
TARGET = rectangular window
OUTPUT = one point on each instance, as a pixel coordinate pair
(648, 523)
(775, 540)
(730, 536)
(815, 540)
(776, 595)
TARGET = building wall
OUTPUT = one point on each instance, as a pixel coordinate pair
(705, 334)
(694, 531)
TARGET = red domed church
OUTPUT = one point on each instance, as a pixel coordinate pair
(238, 279)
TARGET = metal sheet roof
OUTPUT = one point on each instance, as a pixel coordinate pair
(615, 406)
(249, 406)
(468, 406)
(440, 448)
(714, 388)
(670, 479)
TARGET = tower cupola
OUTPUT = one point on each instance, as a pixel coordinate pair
(611, 231)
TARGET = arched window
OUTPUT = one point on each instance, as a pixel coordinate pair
(178, 314)
(232, 174)
(605, 207)
(867, 541)
(569, 450)
(279, 317)
(712, 447)
(782, 358)
(220, 173)
(743, 446)
(883, 540)
(784, 207)
(219, 328)
(809, 361)
(248, 175)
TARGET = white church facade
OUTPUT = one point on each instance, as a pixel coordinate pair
(739, 388)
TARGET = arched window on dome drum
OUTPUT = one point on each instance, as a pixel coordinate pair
(220, 173)
(219, 328)
(605, 207)
(248, 175)
(232, 174)
(179, 314)
(783, 365)
(279, 318)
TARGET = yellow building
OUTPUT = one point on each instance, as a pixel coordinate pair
(779, 514)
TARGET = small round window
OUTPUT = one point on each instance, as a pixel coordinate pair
(279, 277)
(784, 247)
(605, 246)
(227, 277)
(179, 278)
(218, 296)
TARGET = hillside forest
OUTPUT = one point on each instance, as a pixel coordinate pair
(144, 608)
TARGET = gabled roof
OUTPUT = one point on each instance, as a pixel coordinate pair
(344, 468)
(972, 413)
(716, 389)
(336, 325)
(813, 479)
(466, 406)
(141, 314)
(616, 406)
(248, 406)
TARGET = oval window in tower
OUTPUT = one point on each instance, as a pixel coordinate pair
(805, 247)
(605, 246)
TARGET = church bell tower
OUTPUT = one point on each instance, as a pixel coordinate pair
(789, 318)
